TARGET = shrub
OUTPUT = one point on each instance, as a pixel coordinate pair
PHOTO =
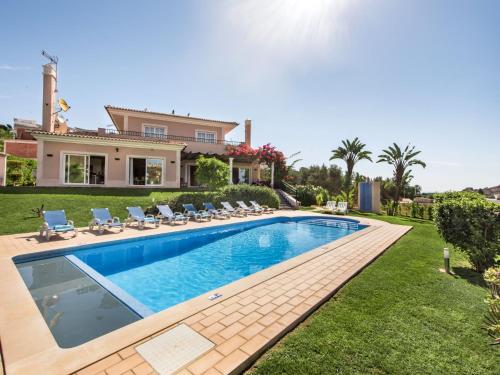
(307, 194)
(319, 199)
(20, 171)
(492, 277)
(230, 193)
(430, 212)
(342, 197)
(471, 224)
(414, 209)
(212, 172)
(391, 208)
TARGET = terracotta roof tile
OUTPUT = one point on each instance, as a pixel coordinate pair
(93, 135)
(108, 107)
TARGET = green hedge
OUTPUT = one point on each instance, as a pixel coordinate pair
(415, 210)
(230, 193)
(306, 194)
(470, 223)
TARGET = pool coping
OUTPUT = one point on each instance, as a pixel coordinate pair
(20, 317)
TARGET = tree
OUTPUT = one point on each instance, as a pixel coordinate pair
(212, 172)
(401, 160)
(351, 152)
(5, 133)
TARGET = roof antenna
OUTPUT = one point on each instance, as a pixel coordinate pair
(53, 60)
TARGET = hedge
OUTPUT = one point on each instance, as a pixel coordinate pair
(231, 193)
(306, 194)
(471, 224)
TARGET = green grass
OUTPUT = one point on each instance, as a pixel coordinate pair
(399, 316)
(16, 204)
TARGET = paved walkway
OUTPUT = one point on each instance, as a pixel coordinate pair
(245, 325)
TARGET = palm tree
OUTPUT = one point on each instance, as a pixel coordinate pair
(351, 152)
(401, 160)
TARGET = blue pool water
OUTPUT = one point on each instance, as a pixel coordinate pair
(165, 270)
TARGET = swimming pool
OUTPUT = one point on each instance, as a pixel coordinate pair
(142, 276)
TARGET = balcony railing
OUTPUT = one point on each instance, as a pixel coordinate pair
(167, 137)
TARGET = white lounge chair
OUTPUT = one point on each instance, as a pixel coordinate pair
(165, 213)
(135, 214)
(55, 222)
(330, 206)
(198, 215)
(210, 208)
(233, 211)
(249, 210)
(341, 208)
(265, 209)
(102, 218)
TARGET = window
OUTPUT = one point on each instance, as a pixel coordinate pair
(145, 171)
(241, 175)
(205, 136)
(84, 169)
(154, 131)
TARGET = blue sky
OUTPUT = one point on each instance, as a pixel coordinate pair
(308, 73)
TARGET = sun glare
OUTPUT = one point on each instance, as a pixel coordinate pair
(290, 25)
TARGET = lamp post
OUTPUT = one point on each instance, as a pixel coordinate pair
(446, 254)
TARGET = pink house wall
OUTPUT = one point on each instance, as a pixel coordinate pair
(50, 172)
(136, 124)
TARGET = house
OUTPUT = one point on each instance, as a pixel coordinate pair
(143, 149)
(23, 145)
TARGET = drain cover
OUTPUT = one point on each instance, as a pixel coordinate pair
(174, 349)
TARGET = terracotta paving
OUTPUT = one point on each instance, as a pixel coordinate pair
(252, 315)
(245, 325)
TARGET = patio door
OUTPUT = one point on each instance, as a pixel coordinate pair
(146, 171)
(84, 169)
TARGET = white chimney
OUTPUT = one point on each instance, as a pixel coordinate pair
(49, 97)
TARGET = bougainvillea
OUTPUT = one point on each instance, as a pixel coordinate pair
(269, 154)
(266, 154)
(241, 150)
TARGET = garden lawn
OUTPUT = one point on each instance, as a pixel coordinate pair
(399, 316)
(16, 204)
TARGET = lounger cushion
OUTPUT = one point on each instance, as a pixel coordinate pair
(62, 228)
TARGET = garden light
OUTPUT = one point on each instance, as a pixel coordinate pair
(446, 254)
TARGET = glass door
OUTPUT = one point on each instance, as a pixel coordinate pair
(76, 169)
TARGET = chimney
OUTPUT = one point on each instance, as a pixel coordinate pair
(49, 97)
(248, 132)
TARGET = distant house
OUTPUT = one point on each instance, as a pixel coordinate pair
(23, 145)
(143, 148)
(423, 200)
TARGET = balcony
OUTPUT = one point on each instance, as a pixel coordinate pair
(193, 144)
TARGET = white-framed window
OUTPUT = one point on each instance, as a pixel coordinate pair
(154, 131)
(241, 175)
(206, 136)
(84, 169)
(244, 175)
(146, 171)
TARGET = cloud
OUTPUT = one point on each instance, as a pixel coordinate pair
(13, 68)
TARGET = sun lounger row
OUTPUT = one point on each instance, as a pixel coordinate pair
(55, 222)
(333, 207)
